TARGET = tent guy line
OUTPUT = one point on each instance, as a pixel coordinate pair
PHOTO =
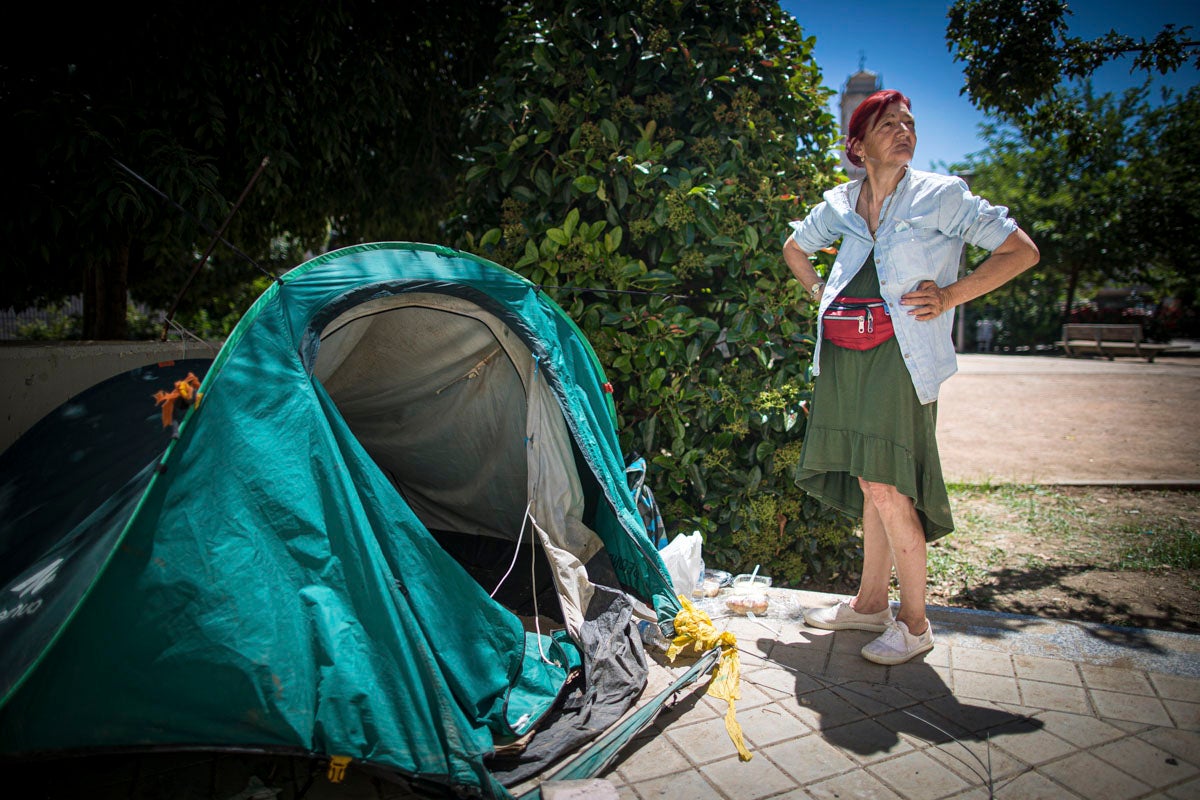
(204, 226)
(321, 594)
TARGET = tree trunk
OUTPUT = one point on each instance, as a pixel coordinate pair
(1072, 283)
(105, 296)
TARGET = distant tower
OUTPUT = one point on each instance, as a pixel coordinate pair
(858, 87)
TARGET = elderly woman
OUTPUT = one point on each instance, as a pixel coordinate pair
(883, 349)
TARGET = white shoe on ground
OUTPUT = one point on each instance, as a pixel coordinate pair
(842, 616)
(897, 645)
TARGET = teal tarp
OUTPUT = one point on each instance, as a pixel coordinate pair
(277, 576)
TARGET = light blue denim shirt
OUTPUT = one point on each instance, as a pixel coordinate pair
(920, 237)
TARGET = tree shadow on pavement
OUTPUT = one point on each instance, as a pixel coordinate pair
(869, 715)
(1125, 618)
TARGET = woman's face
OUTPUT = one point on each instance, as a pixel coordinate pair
(891, 138)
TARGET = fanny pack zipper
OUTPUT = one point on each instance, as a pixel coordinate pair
(866, 323)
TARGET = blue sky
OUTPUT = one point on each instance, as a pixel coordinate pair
(905, 42)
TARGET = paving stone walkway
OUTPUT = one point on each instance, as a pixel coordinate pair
(1004, 706)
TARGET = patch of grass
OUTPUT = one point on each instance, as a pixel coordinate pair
(949, 567)
(1151, 549)
(1046, 549)
(1035, 562)
(1037, 510)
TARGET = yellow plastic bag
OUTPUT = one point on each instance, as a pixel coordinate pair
(694, 628)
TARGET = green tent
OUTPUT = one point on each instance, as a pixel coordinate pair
(395, 528)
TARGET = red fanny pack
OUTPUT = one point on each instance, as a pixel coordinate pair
(858, 323)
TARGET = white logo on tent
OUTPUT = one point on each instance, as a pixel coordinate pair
(39, 580)
(31, 586)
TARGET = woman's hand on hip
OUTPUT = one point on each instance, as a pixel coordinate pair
(929, 301)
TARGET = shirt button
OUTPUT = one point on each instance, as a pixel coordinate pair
(908, 355)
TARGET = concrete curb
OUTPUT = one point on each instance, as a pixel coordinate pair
(1186, 485)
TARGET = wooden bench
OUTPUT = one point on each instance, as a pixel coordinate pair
(1109, 341)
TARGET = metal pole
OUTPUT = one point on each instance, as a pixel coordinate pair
(203, 226)
(960, 337)
(212, 246)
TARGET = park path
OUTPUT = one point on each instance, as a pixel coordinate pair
(1052, 708)
(1052, 419)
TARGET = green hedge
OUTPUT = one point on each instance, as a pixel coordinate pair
(642, 161)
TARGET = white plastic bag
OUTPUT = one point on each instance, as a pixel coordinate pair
(684, 561)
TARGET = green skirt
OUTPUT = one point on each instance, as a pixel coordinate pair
(866, 422)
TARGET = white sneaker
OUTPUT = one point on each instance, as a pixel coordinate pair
(897, 645)
(842, 616)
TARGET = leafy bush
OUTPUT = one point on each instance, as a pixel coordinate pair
(642, 160)
(59, 324)
(56, 325)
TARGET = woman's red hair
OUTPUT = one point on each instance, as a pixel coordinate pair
(865, 115)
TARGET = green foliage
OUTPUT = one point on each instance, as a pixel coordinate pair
(1028, 311)
(1017, 53)
(642, 161)
(1163, 197)
(1105, 187)
(217, 318)
(61, 325)
(355, 103)
(1098, 215)
(143, 325)
(1010, 50)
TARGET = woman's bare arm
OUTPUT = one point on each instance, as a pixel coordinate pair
(801, 267)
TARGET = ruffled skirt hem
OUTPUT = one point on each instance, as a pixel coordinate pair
(879, 460)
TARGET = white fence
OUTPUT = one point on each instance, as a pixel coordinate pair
(12, 320)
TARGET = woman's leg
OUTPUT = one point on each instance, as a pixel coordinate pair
(877, 560)
(906, 541)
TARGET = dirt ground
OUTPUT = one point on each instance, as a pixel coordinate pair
(1043, 419)
(1030, 430)
(1113, 555)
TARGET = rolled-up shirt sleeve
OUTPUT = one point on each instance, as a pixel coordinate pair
(816, 230)
(972, 218)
